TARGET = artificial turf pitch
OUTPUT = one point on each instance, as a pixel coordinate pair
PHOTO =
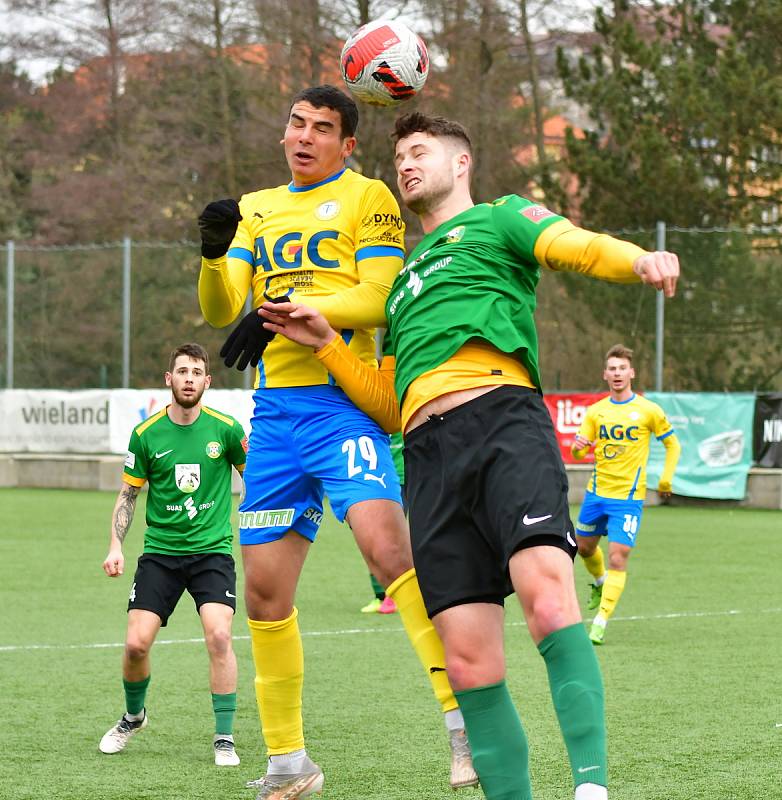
(691, 666)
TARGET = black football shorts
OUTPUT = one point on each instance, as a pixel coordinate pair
(483, 480)
(160, 581)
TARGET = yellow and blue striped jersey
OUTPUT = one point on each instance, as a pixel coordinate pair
(621, 432)
(335, 245)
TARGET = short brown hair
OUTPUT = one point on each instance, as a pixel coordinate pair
(620, 351)
(191, 349)
(439, 127)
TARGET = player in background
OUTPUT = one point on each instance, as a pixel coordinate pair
(381, 603)
(334, 239)
(620, 428)
(185, 452)
(486, 486)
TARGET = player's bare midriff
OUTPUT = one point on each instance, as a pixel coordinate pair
(445, 402)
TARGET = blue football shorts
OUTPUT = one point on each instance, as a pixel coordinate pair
(307, 441)
(619, 519)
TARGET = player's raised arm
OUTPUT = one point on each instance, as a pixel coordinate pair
(121, 519)
(224, 280)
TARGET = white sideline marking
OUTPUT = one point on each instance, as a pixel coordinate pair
(11, 648)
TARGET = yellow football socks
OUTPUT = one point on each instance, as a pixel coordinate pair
(612, 590)
(595, 564)
(426, 643)
(279, 677)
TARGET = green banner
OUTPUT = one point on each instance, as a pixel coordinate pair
(715, 431)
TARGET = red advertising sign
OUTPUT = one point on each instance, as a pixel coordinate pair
(568, 411)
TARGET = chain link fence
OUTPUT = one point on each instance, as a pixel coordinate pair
(108, 315)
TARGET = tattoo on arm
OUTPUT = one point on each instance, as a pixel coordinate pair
(123, 511)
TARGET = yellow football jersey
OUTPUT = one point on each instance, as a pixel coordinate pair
(335, 245)
(621, 432)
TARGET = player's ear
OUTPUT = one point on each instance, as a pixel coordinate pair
(463, 161)
(348, 145)
(168, 379)
(207, 381)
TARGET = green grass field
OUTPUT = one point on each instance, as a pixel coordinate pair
(691, 666)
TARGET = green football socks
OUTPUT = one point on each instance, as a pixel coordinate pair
(499, 745)
(224, 706)
(135, 694)
(377, 588)
(577, 691)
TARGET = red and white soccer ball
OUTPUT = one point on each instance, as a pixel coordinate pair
(384, 63)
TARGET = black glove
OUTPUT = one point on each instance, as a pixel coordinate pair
(248, 339)
(217, 224)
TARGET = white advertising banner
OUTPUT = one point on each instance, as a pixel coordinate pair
(94, 420)
(51, 421)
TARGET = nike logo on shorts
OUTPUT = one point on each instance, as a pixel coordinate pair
(570, 540)
(164, 453)
(588, 769)
(535, 520)
(228, 594)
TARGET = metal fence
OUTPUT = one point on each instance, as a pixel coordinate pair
(107, 315)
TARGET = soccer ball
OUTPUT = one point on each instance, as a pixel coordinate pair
(384, 63)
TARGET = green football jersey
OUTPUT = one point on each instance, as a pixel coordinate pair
(472, 278)
(188, 468)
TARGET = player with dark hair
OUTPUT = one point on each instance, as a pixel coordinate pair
(334, 239)
(620, 428)
(185, 452)
(486, 486)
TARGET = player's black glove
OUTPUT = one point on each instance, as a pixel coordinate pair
(248, 339)
(217, 223)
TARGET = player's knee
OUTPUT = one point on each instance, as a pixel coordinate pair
(618, 561)
(137, 648)
(388, 557)
(468, 668)
(266, 605)
(549, 612)
(218, 642)
(586, 547)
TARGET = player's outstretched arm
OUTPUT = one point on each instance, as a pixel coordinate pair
(121, 518)
(370, 389)
(659, 269)
(299, 323)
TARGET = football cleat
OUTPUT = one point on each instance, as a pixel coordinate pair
(595, 596)
(388, 606)
(290, 786)
(115, 739)
(462, 770)
(597, 634)
(225, 753)
(372, 606)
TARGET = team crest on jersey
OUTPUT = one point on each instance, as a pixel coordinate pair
(214, 449)
(328, 210)
(455, 234)
(187, 477)
(536, 214)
